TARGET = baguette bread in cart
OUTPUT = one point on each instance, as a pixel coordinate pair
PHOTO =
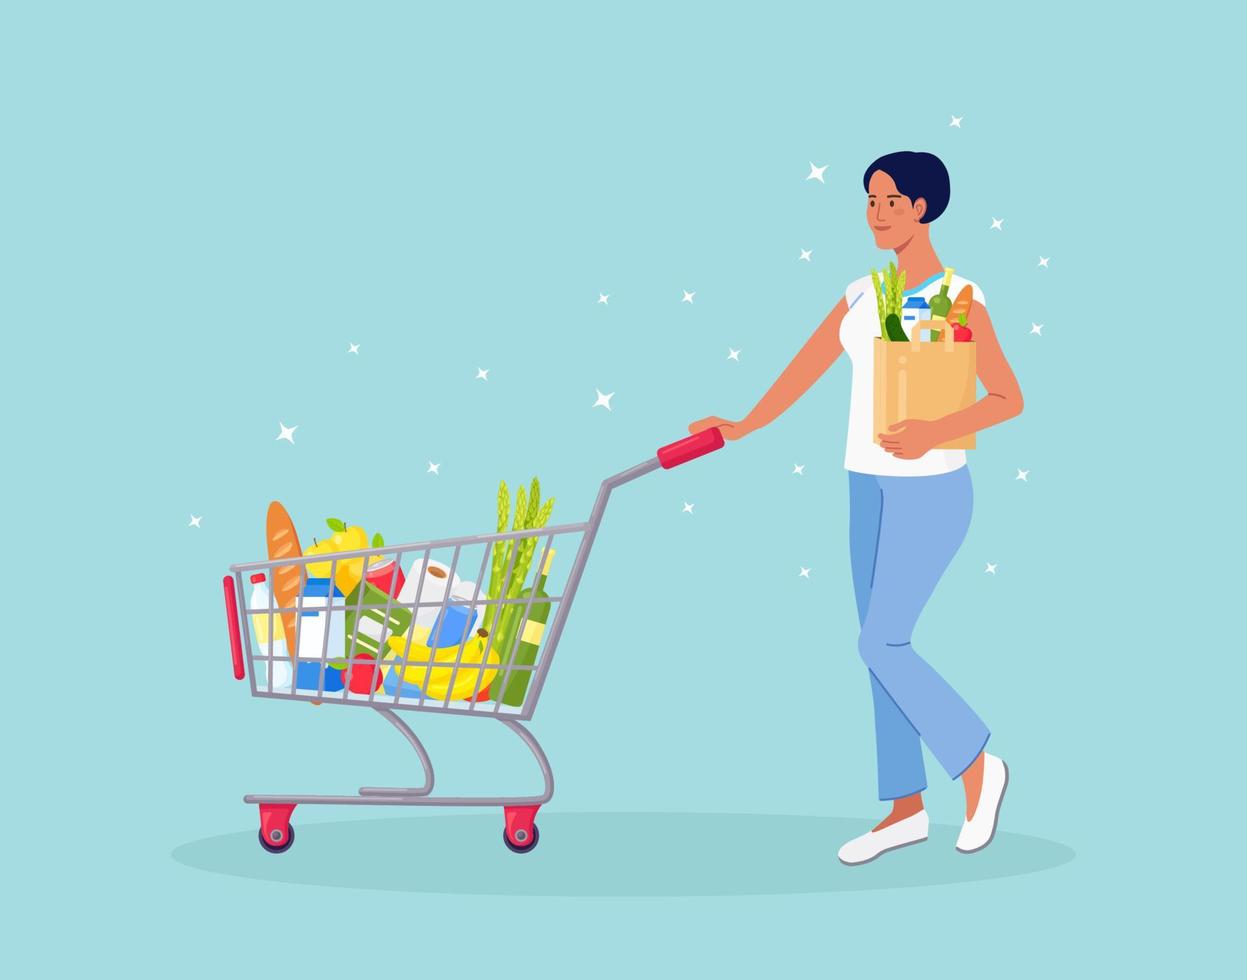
(424, 648)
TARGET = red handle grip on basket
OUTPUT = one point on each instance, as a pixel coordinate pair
(235, 635)
(706, 441)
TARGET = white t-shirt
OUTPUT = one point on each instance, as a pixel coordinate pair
(858, 331)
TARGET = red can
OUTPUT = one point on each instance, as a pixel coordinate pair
(386, 576)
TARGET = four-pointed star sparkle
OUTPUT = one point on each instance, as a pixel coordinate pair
(688, 297)
(805, 255)
(603, 400)
(352, 349)
(1043, 262)
(1037, 329)
(434, 468)
(956, 121)
(798, 469)
(998, 224)
(604, 298)
(991, 568)
(1022, 475)
(733, 355)
(816, 173)
(194, 521)
(804, 573)
(688, 508)
(287, 433)
(482, 374)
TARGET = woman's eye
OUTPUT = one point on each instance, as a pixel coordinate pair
(891, 204)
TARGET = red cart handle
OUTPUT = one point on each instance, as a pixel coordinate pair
(235, 635)
(706, 441)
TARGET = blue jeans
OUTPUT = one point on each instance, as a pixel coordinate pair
(903, 532)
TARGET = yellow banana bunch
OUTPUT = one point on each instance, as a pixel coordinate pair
(436, 681)
(349, 571)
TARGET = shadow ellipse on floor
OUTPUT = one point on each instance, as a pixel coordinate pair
(611, 854)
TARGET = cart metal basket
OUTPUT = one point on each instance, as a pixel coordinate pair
(382, 647)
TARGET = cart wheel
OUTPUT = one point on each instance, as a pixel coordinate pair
(283, 846)
(527, 845)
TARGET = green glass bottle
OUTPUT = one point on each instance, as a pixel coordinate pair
(523, 653)
(940, 303)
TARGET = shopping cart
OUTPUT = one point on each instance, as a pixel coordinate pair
(366, 649)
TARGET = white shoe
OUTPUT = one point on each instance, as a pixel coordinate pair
(978, 831)
(911, 830)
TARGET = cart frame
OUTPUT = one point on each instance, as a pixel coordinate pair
(520, 831)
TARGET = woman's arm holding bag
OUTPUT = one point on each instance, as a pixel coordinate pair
(912, 438)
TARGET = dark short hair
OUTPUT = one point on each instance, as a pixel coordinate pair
(916, 175)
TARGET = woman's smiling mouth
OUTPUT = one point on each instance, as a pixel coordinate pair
(882, 227)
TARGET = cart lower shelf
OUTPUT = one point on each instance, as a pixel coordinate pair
(519, 812)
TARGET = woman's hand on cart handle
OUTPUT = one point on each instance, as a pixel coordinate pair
(731, 430)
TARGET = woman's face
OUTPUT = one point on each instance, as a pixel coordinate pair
(892, 216)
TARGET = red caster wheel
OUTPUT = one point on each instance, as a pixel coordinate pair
(522, 847)
(276, 834)
(283, 846)
(520, 834)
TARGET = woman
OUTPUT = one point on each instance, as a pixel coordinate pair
(909, 510)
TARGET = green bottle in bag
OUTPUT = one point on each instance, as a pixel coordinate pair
(523, 653)
(940, 302)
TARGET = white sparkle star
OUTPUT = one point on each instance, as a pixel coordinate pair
(688, 508)
(1022, 475)
(991, 568)
(1043, 262)
(287, 433)
(688, 297)
(956, 121)
(434, 468)
(604, 298)
(816, 173)
(1037, 329)
(482, 374)
(194, 521)
(603, 400)
(798, 469)
(353, 349)
(805, 255)
(804, 573)
(998, 224)
(733, 355)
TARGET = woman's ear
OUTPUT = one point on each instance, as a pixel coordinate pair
(920, 208)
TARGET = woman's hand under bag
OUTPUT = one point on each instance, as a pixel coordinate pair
(731, 430)
(911, 438)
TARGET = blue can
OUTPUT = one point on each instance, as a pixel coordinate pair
(453, 628)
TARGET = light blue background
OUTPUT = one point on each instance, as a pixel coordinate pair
(204, 204)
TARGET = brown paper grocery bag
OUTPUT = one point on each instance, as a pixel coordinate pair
(917, 380)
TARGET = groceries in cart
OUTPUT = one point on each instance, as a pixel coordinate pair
(399, 622)
(270, 638)
(414, 668)
(322, 635)
(508, 573)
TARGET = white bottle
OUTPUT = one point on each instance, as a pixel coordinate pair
(268, 644)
